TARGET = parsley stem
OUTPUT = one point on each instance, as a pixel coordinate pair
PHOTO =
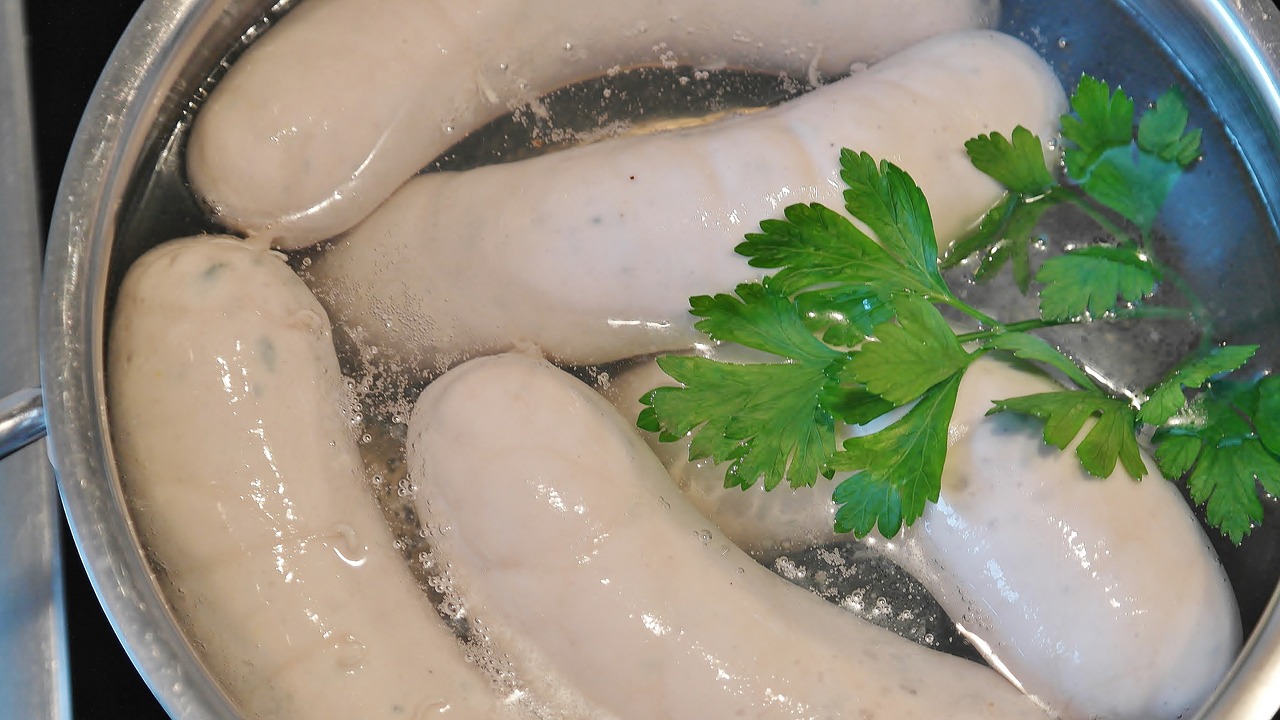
(1020, 326)
(1152, 312)
(1197, 309)
(1141, 312)
(1069, 194)
(971, 311)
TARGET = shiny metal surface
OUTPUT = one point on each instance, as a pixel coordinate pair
(1231, 47)
(33, 644)
(21, 420)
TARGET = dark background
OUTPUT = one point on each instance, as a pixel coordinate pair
(70, 41)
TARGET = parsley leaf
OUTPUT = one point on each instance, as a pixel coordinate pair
(843, 315)
(1177, 453)
(766, 420)
(1133, 184)
(815, 246)
(1018, 164)
(1064, 414)
(1131, 177)
(1267, 418)
(1215, 439)
(1163, 131)
(886, 198)
(899, 468)
(1005, 233)
(760, 318)
(854, 405)
(1026, 346)
(1103, 120)
(908, 356)
(1094, 280)
(1167, 398)
(1224, 481)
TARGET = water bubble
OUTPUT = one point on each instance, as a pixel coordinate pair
(405, 488)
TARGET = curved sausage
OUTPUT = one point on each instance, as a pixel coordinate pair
(248, 491)
(569, 541)
(320, 120)
(1102, 597)
(592, 253)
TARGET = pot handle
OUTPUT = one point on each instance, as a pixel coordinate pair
(21, 420)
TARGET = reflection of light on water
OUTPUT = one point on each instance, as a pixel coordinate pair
(996, 573)
(646, 324)
(985, 649)
(356, 553)
(655, 626)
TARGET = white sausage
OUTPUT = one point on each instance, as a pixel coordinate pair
(343, 101)
(593, 253)
(569, 541)
(1103, 597)
(249, 494)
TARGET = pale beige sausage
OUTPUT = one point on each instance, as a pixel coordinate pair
(248, 492)
(593, 253)
(568, 540)
(344, 100)
(1103, 597)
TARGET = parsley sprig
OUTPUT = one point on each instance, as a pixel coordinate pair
(856, 319)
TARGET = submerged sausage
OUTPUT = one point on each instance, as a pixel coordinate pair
(331, 110)
(1102, 597)
(249, 494)
(570, 543)
(593, 253)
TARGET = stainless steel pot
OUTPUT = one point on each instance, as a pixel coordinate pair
(1231, 48)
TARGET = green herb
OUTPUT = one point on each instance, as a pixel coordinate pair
(856, 320)
(1064, 414)
(767, 420)
(1217, 439)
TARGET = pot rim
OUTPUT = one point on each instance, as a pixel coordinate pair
(72, 307)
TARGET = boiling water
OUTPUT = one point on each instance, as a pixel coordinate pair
(1222, 241)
